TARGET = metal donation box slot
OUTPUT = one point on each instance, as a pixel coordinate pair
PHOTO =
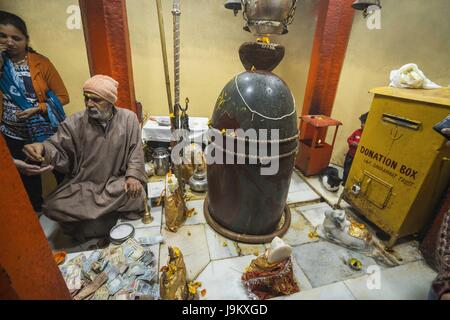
(314, 153)
(401, 166)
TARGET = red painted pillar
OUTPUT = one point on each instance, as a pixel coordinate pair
(27, 267)
(108, 45)
(334, 24)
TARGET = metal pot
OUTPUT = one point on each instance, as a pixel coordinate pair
(265, 17)
(161, 157)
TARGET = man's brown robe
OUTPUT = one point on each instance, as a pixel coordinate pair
(96, 161)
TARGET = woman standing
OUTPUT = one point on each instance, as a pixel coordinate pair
(25, 80)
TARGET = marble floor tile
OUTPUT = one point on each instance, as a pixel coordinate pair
(325, 263)
(191, 240)
(299, 191)
(219, 246)
(297, 183)
(222, 279)
(302, 196)
(407, 252)
(407, 282)
(300, 276)
(199, 217)
(298, 231)
(314, 213)
(334, 291)
(157, 219)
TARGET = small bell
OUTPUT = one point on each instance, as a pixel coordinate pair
(364, 4)
(147, 218)
(198, 181)
(234, 5)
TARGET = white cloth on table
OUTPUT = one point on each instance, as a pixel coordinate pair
(152, 131)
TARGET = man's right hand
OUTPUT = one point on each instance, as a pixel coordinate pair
(34, 151)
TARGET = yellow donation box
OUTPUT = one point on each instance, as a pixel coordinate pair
(401, 166)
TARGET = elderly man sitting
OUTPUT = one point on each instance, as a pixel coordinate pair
(99, 150)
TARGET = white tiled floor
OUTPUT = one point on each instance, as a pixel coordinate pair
(219, 246)
(318, 266)
(199, 217)
(222, 279)
(299, 230)
(297, 184)
(314, 213)
(335, 291)
(407, 282)
(325, 263)
(407, 252)
(191, 240)
(302, 196)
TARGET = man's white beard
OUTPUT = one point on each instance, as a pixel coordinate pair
(101, 116)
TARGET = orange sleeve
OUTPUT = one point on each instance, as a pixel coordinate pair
(56, 84)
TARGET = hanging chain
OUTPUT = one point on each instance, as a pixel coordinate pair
(176, 49)
(290, 16)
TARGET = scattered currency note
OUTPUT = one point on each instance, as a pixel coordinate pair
(115, 285)
(145, 289)
(78, 260)
(133, 250)
(148, 258)
(111, 272)
(94, 257)
(137, 269)
(117, 257)
(119, 272)
(149, 275)
(72, 276)
(122, 295)
(92, 287)
(101, 294)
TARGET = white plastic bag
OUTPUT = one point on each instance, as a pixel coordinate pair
(410, 76)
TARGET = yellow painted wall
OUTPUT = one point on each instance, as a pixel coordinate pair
(210, 40)
(46, 22)
(412, 31)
